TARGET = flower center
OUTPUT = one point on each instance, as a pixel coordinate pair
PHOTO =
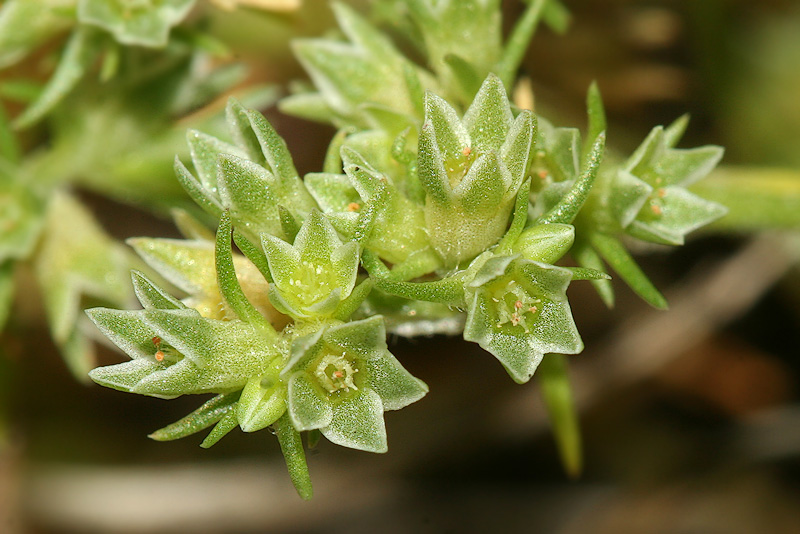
(515, 306)
(336, 373)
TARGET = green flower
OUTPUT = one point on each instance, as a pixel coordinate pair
(313, 276)
(648, 196)
(399, 228)
(177, 352)
(255, 179)
(517, 310)
(341, 380)
(471, 170)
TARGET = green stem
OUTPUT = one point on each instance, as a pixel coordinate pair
(756, 198)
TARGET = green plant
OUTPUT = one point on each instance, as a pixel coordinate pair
(440, 203)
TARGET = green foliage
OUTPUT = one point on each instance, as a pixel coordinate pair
(441, 207)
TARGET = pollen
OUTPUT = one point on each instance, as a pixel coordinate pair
(159, 356)
(156, 341)
(662, 192)
(353, 206)
(518, 304)
(466, 152)
(656, 209)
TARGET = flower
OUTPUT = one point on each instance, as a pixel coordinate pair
(517, 309)
(342, 378)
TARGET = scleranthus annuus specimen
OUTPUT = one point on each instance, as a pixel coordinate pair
(433, 210)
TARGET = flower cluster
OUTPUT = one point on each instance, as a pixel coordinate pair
(442, 207)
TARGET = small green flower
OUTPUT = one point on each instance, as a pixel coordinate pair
(341, 380)
(255, 179)
(399, 228)
(517, 310)
(471, 170)
(313, 276)
(648, 195)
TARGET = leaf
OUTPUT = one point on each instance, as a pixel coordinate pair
(588, 258)
(206, 415)
(225, 425)
(6, 291)
(292, 449)
(558, 398)
(570, 204)
(597, 117)
(614, 253)
(228, 282)
(518, 42)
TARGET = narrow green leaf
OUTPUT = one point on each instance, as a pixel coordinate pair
(557, 16)
(206, 415)
(414, 86)
(292, 449)
(229, 284)
(196, 191)
(189, 226)
(615, 254)
(588, 258)
(313, 438)
(254, 254)
(567, 209)
(464, 73)
(557, 396)
(225, 425)
(597, 117)
(518, 42)
(448, 291)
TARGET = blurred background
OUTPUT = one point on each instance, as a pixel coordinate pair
(690, 417)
